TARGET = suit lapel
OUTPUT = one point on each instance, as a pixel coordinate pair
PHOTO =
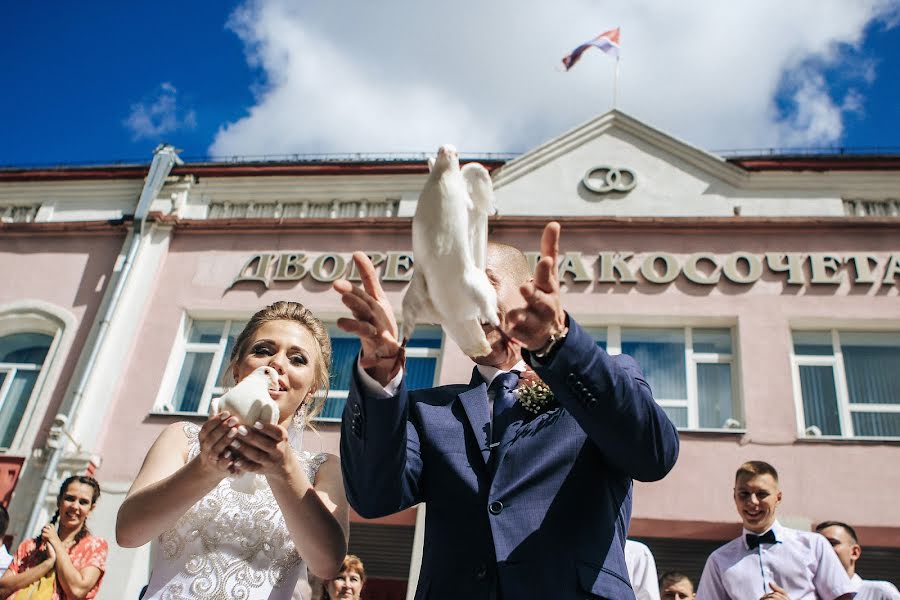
(474, 402)
(517, 419)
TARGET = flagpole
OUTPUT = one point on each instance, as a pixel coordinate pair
(616, 85)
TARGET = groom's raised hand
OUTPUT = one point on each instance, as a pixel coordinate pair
(373, 322)
(543, 315)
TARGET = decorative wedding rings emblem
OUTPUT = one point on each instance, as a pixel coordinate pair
(605, 179)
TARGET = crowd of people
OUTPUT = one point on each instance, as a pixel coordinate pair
(525, 499)
(768, 560)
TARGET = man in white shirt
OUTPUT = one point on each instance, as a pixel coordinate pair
(5, 557)
(641, 570)
(844, 541)
(676, 586)
(769, 561)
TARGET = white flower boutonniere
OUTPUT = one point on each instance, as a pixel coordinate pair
(533, 394)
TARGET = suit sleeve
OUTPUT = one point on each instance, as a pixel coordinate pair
(612, 402)
(380, 455)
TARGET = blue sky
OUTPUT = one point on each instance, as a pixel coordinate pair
(106, 81)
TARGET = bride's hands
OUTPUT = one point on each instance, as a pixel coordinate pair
(264, 449)
(215, 436)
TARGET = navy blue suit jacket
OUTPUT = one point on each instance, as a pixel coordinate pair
(552, 521)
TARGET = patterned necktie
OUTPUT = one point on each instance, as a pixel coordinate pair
(502, 388)
(753, 541)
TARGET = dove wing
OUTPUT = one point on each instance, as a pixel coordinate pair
(482, 194)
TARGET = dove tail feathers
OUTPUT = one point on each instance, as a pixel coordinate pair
(470, 338)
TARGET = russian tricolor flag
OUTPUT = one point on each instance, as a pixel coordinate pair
(608, 41)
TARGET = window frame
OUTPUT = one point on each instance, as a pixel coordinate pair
(163, 405)
(180, 349)
(691, 360)
(842, 392)
(38, 316)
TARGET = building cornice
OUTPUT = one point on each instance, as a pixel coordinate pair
(200, 170)
(106, 227)
(525, 223)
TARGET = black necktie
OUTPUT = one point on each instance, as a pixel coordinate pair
(753, 540)
(502, 388)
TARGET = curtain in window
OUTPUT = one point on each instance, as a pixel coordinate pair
(25, 348)
(880, 424)
(714, 394)
(189, 389)
(343, 361)
(678, 416)
(420, 373)
(660, 353)
(873, 374)
(820, 404)
(14, 404)
(224, 378)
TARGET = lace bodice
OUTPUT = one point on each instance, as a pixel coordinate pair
(229, 545)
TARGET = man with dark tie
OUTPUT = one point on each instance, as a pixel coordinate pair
(527, 486)
(770, 561)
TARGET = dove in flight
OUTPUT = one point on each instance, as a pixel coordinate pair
(449, 239)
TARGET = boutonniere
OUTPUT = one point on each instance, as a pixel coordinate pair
(533, 394)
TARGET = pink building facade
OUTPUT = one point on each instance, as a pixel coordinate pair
(760, 295)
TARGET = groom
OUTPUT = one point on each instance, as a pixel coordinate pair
(522, 501)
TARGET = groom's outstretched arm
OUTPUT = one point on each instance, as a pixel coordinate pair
(380, 456)
(607, 395)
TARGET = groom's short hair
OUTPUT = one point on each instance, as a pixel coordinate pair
(512, 260)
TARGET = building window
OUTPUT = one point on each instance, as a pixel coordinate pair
(689, 369)
(21, 358)
(847, 383)
(423, 353)
(207, 348)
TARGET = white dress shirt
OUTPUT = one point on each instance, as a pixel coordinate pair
(641, 570)
(874, 590)
(5, 559)
(800, 562)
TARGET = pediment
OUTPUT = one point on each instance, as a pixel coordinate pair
(569, 175)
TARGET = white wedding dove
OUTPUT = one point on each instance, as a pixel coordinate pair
(449, 239)
(250, 402)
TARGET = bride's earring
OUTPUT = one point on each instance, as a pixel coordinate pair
(300, 417)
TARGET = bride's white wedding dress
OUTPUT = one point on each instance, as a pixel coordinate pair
(229, 545)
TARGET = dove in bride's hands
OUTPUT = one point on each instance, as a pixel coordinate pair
(250, 402)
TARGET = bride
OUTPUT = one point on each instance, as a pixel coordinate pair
(218, 542)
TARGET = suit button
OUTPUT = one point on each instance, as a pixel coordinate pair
(495, 507)
(356, 409)
(481, 573)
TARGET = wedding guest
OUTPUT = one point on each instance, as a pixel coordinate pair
(349, 583)
(641, 570)
(5, 557)
(676, 586)
(844, 541)
(65, 562)
(528, 488)
(769, 560)
(219, 542)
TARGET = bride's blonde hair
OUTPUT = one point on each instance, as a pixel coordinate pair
(284, 310)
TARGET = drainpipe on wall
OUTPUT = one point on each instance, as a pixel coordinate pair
(164, 158)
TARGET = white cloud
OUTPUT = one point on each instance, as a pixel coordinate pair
(160, 115)
(407, 75)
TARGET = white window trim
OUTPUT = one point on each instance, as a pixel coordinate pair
(845, 407)
(38, 316)
(692, 359)
(180, 349)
